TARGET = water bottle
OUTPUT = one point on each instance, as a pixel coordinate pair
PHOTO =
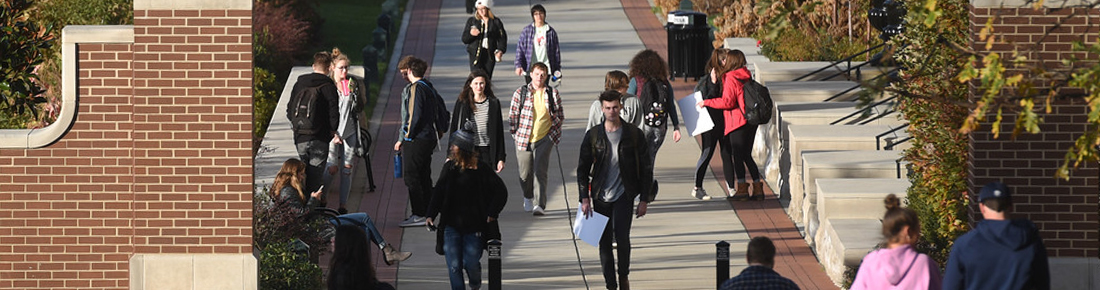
(397, 165)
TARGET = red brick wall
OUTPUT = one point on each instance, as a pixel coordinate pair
(66, 210)
(192, 131)
(158, 160)
(1065, 211)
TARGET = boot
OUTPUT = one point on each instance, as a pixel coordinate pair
(624, 283)
(390, 255)
(742, 192)
(757, 190)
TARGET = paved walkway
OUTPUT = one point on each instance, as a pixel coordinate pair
(673, 244)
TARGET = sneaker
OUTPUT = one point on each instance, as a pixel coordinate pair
(527, 205)
(700, 194)
(413, 221)
(538, 211)
(730, 191)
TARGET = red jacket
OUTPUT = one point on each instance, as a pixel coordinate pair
(733, 98)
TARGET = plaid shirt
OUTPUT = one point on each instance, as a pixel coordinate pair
(521, 115)
(758, 277)
(525, 49)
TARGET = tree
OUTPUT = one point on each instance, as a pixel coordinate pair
(24, 44)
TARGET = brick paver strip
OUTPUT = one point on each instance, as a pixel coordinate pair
(794, 259)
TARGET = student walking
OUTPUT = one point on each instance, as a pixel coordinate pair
(468, 198)
(710, 87)
(1000, 252)
(536, 117)
(740, 134)
(422, 124)
(614, 169)
(616, 81)
(479, 108)
(485, 38)
(352, 93)
(649, 81)
(538, 43)
(897, 265)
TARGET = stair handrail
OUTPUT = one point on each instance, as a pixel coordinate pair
(846, 59)
(864, 109)
(878, 138)
(893, 144)
(837, 95)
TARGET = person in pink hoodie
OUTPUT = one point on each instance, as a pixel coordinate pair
(898, 265)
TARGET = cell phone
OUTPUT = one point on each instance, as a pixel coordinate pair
(431, 227)
(321, 189)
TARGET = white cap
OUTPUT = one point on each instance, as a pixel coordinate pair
(486, 3)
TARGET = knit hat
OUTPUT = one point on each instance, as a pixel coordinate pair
(486, 3)
(465, 139)
(995, 190)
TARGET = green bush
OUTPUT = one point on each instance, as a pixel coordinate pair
(265, 96)
(794, 44)
(283, 266)
(25, 45)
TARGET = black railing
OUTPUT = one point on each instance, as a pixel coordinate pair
(859, 85)
(844, 60)
(878, 138)
(860, 112)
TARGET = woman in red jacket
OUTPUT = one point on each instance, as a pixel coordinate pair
(739, 134)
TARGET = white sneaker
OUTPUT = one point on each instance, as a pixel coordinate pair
(538, 210)
(700, 194)
(413, 221)
(527, 204)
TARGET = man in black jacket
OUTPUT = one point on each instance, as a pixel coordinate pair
(312, 145)
(419, 134)
(614, 168)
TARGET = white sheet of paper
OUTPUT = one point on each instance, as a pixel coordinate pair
(590, 230)
(696, 119)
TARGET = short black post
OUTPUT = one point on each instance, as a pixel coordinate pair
(722, 261)
(494, 264)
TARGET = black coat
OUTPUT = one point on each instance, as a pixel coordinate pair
(462, 114)
(465, 198)
(635, 167)
(498, 38)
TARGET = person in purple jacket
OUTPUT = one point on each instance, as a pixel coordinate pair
(538, 42)
(1000, 252)
(897, 265)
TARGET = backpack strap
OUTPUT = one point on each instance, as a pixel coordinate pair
(412, 102)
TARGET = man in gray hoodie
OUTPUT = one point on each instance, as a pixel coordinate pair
(999, 253)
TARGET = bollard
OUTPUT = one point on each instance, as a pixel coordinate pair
(379, 39)
(370, 62)
(722, 261)
(385, 22)
(494, 264)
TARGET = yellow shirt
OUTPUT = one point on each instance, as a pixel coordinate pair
(542, 116)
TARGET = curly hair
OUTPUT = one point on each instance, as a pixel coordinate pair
(467, 94)
(288, 176)
(648, 64)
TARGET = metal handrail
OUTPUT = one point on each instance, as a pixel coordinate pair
(879, 116)
(837, 95)
(897, 164)
(878, 138)
(903, 140)
(846, 59)
(867, 108)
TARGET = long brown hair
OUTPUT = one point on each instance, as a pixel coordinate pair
(463, 159)
(467, 94)
(735, 59)
(288, 175)
(351, 257)
(648, 64)
(715, 62)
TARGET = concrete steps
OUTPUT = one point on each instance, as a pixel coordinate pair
(856, 197)
(840, 164)
(788, 91)
(844, 242)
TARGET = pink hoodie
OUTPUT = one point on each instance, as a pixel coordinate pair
(898, 268)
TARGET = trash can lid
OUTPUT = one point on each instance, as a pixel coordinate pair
(680, 17)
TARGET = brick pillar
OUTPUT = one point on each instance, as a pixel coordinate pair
(1064, 211)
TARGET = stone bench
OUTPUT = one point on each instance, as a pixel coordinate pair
(850, 198)
(840, 164)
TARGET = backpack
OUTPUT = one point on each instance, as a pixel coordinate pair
(438, 109)
(758, 103)
(653, 97)
(302, 110)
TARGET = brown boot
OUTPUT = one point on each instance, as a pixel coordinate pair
(390, 255)
(757, 190)
(624, 283)
(742, 192)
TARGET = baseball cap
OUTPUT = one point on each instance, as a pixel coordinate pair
(995, 189)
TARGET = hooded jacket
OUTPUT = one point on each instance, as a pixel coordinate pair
(733, 98)
(898, 268)
(998, 254)
(328, 108)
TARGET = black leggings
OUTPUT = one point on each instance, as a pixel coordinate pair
(712, 139)
(741, 141)
(620, 214)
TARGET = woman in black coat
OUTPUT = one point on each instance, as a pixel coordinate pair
(485, 38)
(478, 110)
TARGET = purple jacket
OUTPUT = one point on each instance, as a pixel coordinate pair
(525, 50)
(898, 268)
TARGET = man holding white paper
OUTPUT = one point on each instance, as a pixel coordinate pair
(613, 169)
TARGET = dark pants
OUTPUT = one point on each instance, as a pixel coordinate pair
(484, 159)
(315, 154)
(416, 169)
(620, 214)
(741, 142)
(485, 60)
(711, 140)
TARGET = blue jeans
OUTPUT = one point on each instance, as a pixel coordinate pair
(463, 251)
(364, 221)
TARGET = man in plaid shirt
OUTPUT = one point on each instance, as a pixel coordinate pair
(759, 274)
(536, 117)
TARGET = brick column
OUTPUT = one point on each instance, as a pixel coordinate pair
(1064, 211)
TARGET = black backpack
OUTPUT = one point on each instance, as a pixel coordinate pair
(653, 97)
(438, 109)
(302, 110)
(758, 103)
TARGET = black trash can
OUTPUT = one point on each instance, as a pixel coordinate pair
(688, 44)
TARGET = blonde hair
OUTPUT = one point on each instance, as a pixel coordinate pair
(337, 55)
(488, 14)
